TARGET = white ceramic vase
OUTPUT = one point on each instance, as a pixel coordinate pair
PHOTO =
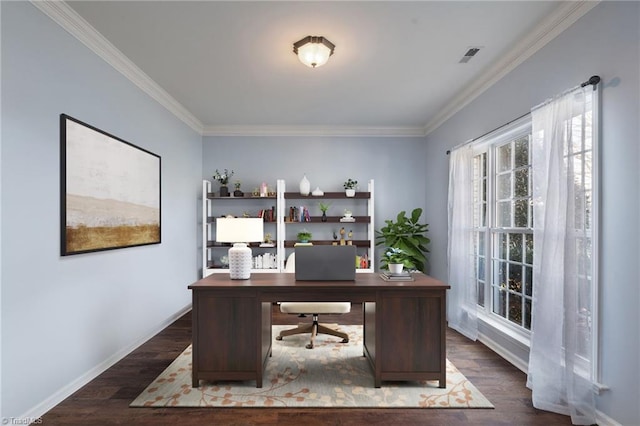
(350, 192)
(305, 186)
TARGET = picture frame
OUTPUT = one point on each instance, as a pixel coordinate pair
(110, 191)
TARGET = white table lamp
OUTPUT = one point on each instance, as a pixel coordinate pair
(239, 231)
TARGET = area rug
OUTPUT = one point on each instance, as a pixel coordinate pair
(332, 374)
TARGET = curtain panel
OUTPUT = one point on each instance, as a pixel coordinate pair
(560, 355)
(463, 298)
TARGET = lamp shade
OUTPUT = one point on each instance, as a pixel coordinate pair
(313, 51)
(239, 230)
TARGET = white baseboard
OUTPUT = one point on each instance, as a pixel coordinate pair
(604, 420)
(62, 394)
(500, 350)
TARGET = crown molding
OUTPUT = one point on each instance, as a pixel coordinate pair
(77, 26)
(332, 131)
(558, 21)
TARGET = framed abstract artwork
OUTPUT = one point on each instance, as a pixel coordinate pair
(109, 191)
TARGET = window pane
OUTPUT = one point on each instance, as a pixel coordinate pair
(528, 284)
(528, 241)
(504, 158)
(501, 240)
(481, 244)
(522, 152)
(504, 186)
(504, 214)
(527, 314)
(481, 272)
(521, 213)
(480, 293)
(502, 274)
(515, 247)
(515, 278)
(499, 302)
(522, 183)
(515, 308)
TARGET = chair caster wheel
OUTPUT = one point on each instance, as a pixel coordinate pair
(345, 341)
(309, 346)
(278, 337)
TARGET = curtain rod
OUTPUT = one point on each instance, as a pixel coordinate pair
(593, 81)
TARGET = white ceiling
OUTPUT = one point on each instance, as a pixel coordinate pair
(395, 70)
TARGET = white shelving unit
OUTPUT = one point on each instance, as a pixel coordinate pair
(284, 231)
(361, 207)
(215, 206)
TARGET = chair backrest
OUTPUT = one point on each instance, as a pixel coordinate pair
(325, 263)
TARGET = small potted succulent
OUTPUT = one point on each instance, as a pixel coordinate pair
(304, 236)
(223, 179)
(350, 187)
(323, 208)
(394, 259)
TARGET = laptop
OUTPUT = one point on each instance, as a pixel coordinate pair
(325, 263)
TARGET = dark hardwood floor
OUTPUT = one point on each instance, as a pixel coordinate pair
(105, 400)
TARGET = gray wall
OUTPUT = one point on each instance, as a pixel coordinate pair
(395, 164)
(63, 318)
(604, 42)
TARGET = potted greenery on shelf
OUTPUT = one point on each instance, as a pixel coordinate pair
(350, 187)
(408, 235)
(223, 179)
(304, 236)
(394, 259)
(323, 208)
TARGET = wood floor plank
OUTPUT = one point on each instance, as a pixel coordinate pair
(105, 400)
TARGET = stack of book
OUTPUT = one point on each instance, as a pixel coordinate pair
(402, 276)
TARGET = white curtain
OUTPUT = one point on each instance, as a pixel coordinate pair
(561, 351)
(462, 306)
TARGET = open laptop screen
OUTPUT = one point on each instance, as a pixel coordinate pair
(325, 263)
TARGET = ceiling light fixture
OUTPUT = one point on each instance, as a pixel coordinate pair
(313, 51)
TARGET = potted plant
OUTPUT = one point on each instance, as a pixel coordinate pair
(237, 192)
(350, 187)
(323, 208)
(304, 236)
(407, 234)
(223, 179)
(394, 259)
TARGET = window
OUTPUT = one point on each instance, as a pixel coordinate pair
(503, 220)
(503, 233)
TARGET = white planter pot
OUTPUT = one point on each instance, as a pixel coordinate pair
(395, 268)
(350, 192)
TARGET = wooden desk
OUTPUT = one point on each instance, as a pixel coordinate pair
(404, 324)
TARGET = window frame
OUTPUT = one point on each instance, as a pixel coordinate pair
(518, 128)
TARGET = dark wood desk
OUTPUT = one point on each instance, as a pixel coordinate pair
(404, 323)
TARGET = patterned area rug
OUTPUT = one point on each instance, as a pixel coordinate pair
(332, 374)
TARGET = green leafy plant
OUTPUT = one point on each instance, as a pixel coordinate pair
(350, 184)
(408, 235)
(394, 255)
(223, 177)
(304, 235)
(323, 207)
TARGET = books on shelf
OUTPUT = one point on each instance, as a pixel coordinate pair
(403, 276)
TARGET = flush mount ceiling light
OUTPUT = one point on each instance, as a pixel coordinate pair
(313, 51)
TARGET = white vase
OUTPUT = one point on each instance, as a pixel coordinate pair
(350, 192)
(396, 268)
(305, 186)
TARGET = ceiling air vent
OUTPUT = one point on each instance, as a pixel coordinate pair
(470, 54)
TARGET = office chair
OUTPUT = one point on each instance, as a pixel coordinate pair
(314, 309)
